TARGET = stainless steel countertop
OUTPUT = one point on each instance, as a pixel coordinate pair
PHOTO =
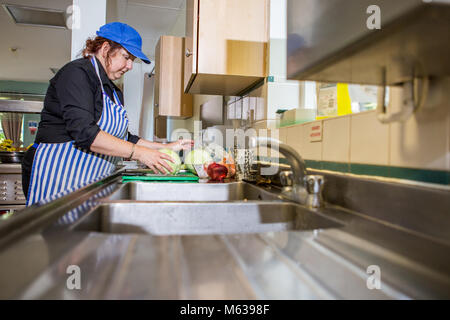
(320, 264)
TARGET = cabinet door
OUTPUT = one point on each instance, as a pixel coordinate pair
(229, 40)
(171, 100)
(232, 37)
(190, 62)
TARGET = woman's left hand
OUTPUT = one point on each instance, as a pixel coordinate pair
(181, 145)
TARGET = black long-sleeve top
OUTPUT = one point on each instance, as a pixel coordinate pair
(73, 105)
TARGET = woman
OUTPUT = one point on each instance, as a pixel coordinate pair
(84, 127)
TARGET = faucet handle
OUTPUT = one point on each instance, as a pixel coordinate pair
(287, 178)
(314, 184)
(314, 187)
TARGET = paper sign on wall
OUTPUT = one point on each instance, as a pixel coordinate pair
(315, 134)
(327, 105)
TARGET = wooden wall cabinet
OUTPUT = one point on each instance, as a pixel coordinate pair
(170, 99)
(226, 46)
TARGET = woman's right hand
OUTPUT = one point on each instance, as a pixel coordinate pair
(153, 159)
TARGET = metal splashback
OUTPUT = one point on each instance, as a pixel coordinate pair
(329, 41)
(19, 106)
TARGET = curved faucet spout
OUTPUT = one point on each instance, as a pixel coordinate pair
(295, 160)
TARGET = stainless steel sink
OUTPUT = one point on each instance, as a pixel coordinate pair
(201, 218)
(237, 191)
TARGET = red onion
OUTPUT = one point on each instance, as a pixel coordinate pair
(217, 172)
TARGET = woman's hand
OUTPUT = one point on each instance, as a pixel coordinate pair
(153, 159)
(183, 144)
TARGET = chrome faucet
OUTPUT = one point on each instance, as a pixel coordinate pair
(298, 185)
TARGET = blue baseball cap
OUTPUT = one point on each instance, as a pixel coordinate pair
(126, 36)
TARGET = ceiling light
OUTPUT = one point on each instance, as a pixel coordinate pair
(39, 17)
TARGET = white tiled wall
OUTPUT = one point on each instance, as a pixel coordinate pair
(422, 142)
(311, 150)
(336, 139)
(419, 142)
(294, 137)
(283, 135)
(369, 139)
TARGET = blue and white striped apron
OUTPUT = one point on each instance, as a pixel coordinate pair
(61, 168)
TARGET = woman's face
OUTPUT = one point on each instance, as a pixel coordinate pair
(120, 62)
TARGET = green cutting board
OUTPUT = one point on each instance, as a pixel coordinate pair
(188, 177)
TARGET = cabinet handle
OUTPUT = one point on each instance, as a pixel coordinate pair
(188, 53)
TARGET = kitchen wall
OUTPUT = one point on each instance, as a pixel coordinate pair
(92, 17)
(133, 91)
(26, 87)
(418, 149)
(146, 124)
(281, 93)
(188, 124)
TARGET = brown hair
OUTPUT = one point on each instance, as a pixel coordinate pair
(94, 45)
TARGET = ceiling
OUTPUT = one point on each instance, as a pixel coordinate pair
(42, 48)
(153, 18)
(38, 48)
